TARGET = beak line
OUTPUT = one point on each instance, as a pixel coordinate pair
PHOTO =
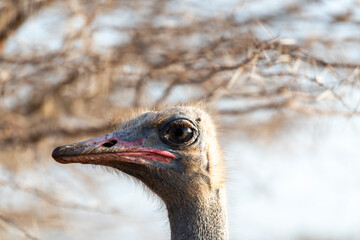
(110, 148)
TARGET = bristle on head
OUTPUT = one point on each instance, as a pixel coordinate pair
(202, 114)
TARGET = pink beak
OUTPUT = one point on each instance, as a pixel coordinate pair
(110, 148)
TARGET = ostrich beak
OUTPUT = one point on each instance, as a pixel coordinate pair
(108, 149)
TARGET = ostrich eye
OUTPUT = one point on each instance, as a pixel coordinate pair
(179, 133)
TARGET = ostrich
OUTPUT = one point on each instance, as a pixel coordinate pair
(175, 153)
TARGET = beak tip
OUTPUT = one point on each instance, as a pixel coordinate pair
(56, 154)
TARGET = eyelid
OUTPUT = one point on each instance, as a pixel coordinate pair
(180, 124)
(163, 132)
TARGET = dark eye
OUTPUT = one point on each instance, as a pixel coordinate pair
(179, 133)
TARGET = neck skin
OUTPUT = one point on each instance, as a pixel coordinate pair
(195, 219)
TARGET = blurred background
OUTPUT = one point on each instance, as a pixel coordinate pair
(282, 76)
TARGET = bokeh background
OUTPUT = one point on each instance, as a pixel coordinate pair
(282, 76)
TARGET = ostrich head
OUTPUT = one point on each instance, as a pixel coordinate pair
(174, 152)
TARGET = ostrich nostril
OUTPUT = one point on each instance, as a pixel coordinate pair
(109, 143)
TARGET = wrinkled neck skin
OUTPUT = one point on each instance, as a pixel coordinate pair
(199, 219)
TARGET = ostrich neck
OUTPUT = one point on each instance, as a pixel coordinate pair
(195, 219)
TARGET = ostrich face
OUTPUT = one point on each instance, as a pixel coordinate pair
(167, 150)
